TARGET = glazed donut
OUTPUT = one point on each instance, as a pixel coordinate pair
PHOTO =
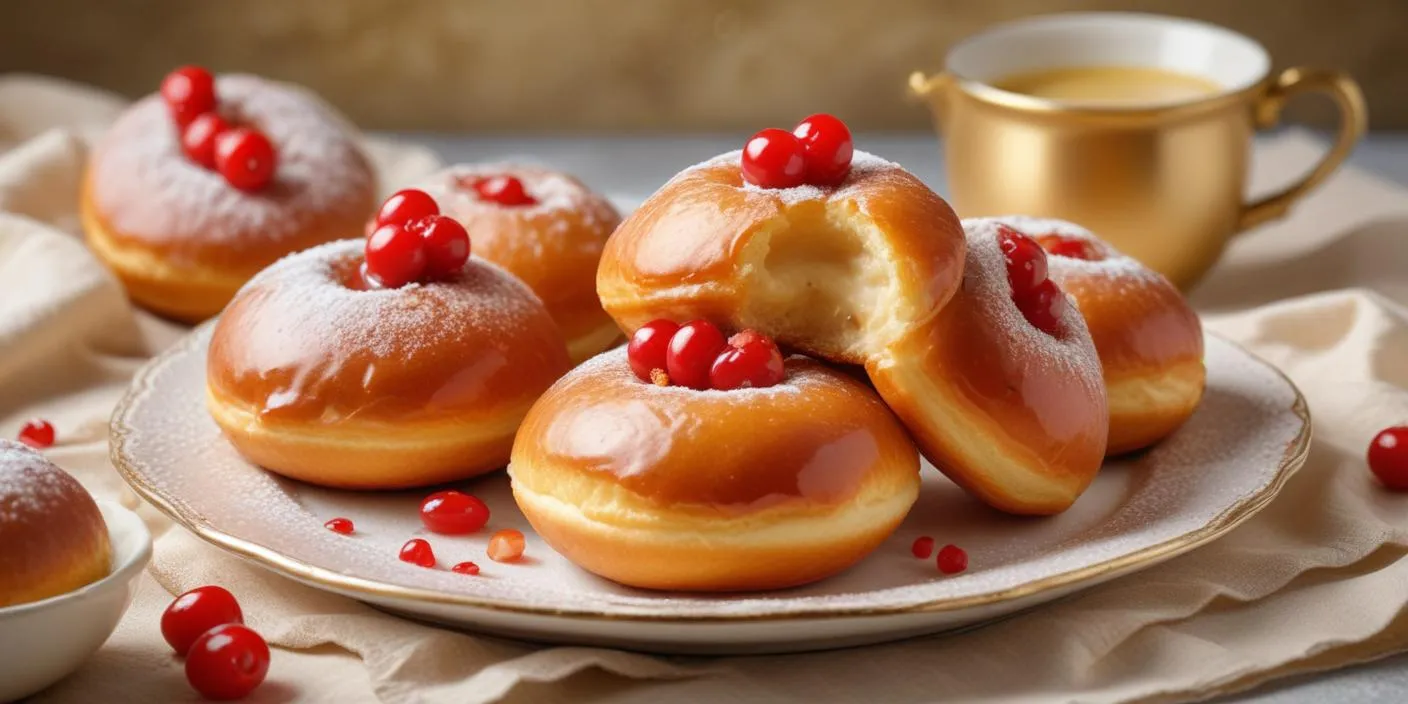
(54, 537)
(1149, 339)
(1013, 413)
(317, 376)
(836, 272)
(180, 238)
(749, 489)
(552, 240)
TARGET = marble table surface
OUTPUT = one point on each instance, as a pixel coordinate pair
(637, 165)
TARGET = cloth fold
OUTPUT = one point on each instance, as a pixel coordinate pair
(1311, 583)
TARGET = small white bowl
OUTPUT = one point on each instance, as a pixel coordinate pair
(43, 641)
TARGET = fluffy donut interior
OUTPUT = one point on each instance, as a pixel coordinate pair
(826, 274)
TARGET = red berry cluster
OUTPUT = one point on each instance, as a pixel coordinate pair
(450, 513)
(697, 355)
(951, 560)
(242, 155)
(1036, 295)
(412, 241)
(1069, 247)
(817, 151)
(37, 433)
(502, 189)
(224, 658)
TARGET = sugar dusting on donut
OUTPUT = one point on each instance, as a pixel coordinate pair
(146, 188)
(29, 483)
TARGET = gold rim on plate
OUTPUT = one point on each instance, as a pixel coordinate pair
(1291, 460)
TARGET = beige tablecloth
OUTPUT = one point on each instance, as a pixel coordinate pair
(1314, 582)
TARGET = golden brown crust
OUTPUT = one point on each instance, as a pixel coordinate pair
(54, 537)
(762, 488)
(378, 389)
(554, 246)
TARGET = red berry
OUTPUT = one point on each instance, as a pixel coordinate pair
(506, 546)
(692, 352)
(1026, 261)
(1044, 307)
(395, 256)
(196, 612)
(407, 205)
(1071, 247)
(827, 149)
(246, 158)
(952, 559)
(1388, 457)
(189, 92)
(751, 360)
(648, 346)
(227, 662)
(198, 139)
(446, 245)
(774, 158)
(37, 433)
(504, 190)
(466, 568)
(340, 525)
(417, 552)
(923, 547)
(453, 513)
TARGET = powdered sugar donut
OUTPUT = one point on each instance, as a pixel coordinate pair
(551, 238)
(1149, 339)
(54, 539)
(180, 237)
(316, 377)
(673, 488)
(1014, 413)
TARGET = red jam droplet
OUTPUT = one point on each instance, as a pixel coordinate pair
(504, 190)
(446, 245)
(750, 360)
(246, 158)
(227, 662)
(1388, 457)
(198, 139)
(692, 352)
(774, 158)
(1038, 297)
(827, 149)
(1069, 247)
(923, 547)
(952, 559)
(1044, 307)
(417, 552)
(196, 612)
(506, 546)
(340, 525)
(395, 256)
(466, 568)
(188, 92)
(453, 513)
(405, 206)
(648, 347)
(38, 434)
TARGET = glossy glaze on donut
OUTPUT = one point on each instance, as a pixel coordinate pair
(1013, 414)
(672, 488)
(1149, 339)
(834, 271)
(315, 379)
(180, 237)
(52, 537)
(553, 245)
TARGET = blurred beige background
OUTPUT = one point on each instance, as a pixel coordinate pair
(617, 65)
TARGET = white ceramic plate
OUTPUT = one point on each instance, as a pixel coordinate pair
(1251, 432)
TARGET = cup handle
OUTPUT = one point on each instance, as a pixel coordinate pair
(922, 85)
(1353, 119)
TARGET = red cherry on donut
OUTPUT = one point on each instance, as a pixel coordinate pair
(828, 149)
(453, 513)
(1068, 247)
(395, 256)
(198, 139)
(751, 360)
(196, 612)
(37, 433)
(417, 552)
(1026, 261)
(774, 158)
(246, 158)
(1388, 457)
(1044, 307)
(692, 352)
(227, 662)
(189, 92)
(648, 346)
(504, 190)
(407, 205)
(446, 245)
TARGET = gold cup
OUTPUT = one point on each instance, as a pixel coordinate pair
(1162, 181)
